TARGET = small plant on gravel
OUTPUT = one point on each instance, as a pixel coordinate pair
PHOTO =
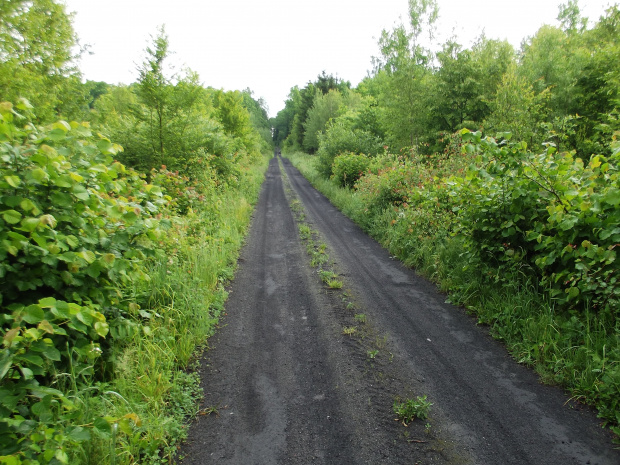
(360, 317)
(335, 284)
(349, 330)
(327, 275)
(304, 231)
(411, 409)
(212, 410)
(372, 353)
(318, 258)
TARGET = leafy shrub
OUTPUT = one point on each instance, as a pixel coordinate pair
(76, 229)
(551, 212)
(411, 409)
(348, 168)
(339, 139)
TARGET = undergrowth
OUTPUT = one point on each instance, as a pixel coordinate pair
(110, 286)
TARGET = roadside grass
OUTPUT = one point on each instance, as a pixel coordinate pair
(579, 351)
(156, 388)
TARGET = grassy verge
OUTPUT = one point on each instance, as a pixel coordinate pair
(579, 351)
(155, 391)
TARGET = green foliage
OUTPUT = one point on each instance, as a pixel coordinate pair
(411, 409)
(292, 126)
(36, 41)
(100, 308)
(338, 139)
(549, 212)
(348, 168)
(76, 230)
(467, 81)
(526, 241)
(259, 119)
(324, 107)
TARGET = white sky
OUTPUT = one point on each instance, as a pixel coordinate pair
(273, 45)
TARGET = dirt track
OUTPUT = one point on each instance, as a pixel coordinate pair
(291, 388)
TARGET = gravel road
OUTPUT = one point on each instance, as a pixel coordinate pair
(290, 387)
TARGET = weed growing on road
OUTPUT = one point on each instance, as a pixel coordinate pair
(349, 330)
(327, 275)
(372, 353)
(305, 232)
(360, 317)
(411, 409)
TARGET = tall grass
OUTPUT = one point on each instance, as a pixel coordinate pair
(578, 351)
(155, 389)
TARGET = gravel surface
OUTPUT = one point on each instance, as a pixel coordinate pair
(290, 387)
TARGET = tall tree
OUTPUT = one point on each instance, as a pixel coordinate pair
(406, 64)
(36, 59)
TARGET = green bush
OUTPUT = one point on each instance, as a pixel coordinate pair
(101, 270)
(76, 229)
(348, 168)
(550, 214)
(339, 139)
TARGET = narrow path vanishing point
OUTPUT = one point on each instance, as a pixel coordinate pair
(290, 388)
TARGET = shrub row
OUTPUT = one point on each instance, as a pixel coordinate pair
(109, 280)
(525, 240)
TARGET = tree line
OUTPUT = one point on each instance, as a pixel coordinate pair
(561, 86)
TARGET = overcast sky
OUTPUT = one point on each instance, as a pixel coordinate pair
(273, 45)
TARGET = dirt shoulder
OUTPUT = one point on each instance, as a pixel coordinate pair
(290, 387)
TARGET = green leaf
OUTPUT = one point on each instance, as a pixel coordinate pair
(11, 216)
(80, 192)
(33, 314)
(42, 391)
(13, 181)
(32, 359)
(612, 196)
(12, 200)
(72, 242)
(6, 360)
(38, 175)
(57, 135)
(28, 206)
(62, 199)
(102, 425)
(26, 373)
(52, 353)
(30, 224)
(64, 181)
(77, 434)
(572, 292)
(88, 256)
(102, 328)
(47, 302)
(61, 456)
(11, 460)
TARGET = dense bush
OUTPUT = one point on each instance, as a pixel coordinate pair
(338, 139)
(76, 230)
(549, 213)
(349, 167)
(103, 272)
